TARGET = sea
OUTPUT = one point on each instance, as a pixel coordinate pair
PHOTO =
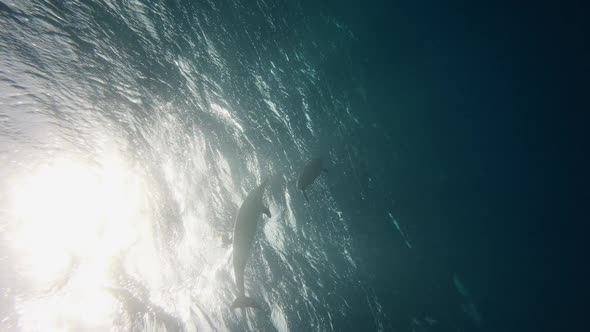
(131, 131)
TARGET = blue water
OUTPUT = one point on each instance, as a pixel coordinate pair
(132, 131)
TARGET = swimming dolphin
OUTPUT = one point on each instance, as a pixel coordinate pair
(244, 233)
(310, 172)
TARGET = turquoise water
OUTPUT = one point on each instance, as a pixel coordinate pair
(132, 131)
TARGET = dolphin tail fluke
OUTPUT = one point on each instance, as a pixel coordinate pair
(244, 302)
(305, 195)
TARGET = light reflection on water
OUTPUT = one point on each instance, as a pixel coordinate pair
(70, 221)
(128, 139)
(102, 241)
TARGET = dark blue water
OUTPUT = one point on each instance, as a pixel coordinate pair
(132, 131)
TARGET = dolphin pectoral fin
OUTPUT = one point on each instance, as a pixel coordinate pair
(266, 211)
(244, 302)
(305, 195)
(325, 170)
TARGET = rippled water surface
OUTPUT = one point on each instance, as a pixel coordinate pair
(131, 132)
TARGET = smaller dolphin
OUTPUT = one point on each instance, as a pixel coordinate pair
(244, 232)
(310, 172)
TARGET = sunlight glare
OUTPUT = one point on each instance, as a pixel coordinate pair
(71, 221)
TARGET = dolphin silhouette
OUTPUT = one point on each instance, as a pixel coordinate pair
(244, 232)
(310, 172)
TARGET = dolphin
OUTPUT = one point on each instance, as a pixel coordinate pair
(310, 172)
(244, 232)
